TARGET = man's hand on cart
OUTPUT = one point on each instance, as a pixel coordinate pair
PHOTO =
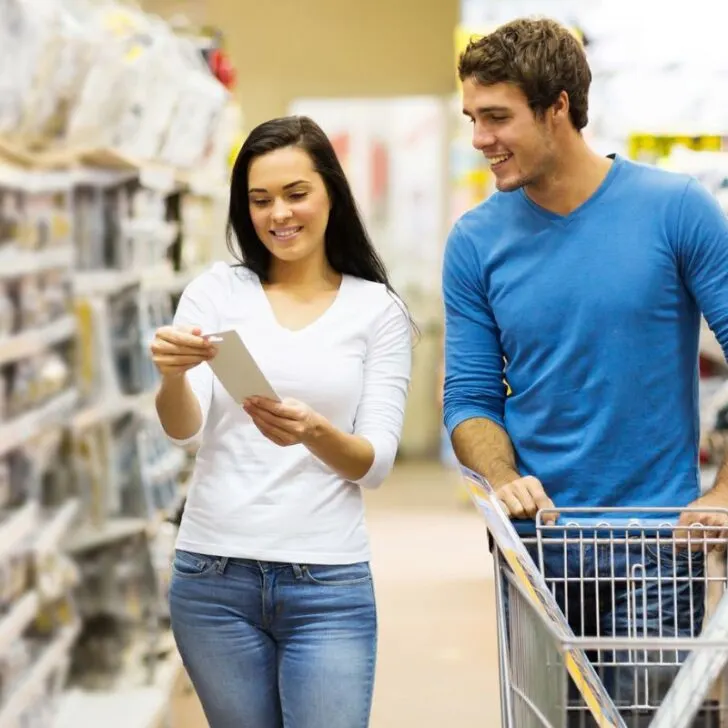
(524, 498)
(713, 524)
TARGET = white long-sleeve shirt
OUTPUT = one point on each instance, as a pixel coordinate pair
(250, 498)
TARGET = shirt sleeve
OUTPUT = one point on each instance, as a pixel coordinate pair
(474, 372)
(702, 250)
(197, 307)
(387, 371)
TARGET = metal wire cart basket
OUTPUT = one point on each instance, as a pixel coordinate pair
(613, 618)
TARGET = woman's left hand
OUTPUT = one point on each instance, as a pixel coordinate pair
(285, 423)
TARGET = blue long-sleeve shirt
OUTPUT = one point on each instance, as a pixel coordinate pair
(593, 319)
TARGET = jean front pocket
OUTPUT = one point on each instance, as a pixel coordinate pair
(338, 574)
(189, 564)
(667, 555)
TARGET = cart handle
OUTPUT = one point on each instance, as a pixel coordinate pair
(612, 523)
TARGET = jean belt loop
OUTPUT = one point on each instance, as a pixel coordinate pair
(222, 565)
(297, 571)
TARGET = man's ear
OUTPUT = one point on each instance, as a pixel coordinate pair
(560, 108)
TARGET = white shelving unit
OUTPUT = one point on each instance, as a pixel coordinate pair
(21, 430)
(17, 263)
(96, 525)
(146, 706)
(119, 205)
(17, 526)
(18, 619)
(32, 688)
(38, 621)
(31, 343)
(62, 539)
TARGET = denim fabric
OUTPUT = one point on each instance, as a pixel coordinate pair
(635, 591)
(273, 645)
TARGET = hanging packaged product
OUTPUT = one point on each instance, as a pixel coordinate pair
(7, 311)
(199, 108)
(9, 216)
(45, 209)
(30, 304)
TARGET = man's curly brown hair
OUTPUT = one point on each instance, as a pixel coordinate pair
(539, 56)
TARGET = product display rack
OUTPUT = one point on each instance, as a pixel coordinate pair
(115, 143)
(38, 617)
(132, 473)
(89, 485)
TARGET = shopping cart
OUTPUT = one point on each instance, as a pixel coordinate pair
(603, 618)
(635, 590)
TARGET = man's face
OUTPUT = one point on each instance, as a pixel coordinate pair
(517, 144)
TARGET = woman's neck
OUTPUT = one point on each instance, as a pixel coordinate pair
(305, 275)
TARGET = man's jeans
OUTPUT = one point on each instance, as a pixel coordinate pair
(619, 591)
(273, 645)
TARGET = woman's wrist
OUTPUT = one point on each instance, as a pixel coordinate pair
(316, 430)
(347, 454)
(171, 380)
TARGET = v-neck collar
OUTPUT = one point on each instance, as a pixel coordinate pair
(617, 163)
(270, 313)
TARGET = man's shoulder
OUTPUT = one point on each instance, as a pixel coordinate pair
(652, 179)
(486, 215)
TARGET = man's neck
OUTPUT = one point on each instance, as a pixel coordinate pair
(577, 176)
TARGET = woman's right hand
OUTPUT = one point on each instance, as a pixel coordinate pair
(175, 350)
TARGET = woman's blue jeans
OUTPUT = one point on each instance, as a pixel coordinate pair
(276, 645)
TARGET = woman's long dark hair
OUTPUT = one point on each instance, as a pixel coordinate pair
(348, 247)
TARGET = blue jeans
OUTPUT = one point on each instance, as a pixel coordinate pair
(276, 645)
(625, 591)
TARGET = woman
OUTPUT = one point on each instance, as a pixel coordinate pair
(271, 599)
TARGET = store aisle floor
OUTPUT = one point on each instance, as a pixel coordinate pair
(433, 578)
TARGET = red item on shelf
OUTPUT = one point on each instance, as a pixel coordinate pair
(222, 68)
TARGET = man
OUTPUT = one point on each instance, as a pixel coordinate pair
(580, 282)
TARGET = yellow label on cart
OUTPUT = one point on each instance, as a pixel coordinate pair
(530, 578)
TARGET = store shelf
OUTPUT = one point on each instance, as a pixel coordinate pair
(115, 529)
(33, 181)
(18, 619)
(15, 263)
(34, 685)
(165, 232)
(20, 430)
(35, 341)
(162, 280)
(94, 203)
(17, 526)
(111, 408)
(143, 707)
(157, 278)
(104, 282)
(101, 177)
(56, 527)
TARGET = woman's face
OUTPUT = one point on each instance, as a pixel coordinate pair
(289, 204)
